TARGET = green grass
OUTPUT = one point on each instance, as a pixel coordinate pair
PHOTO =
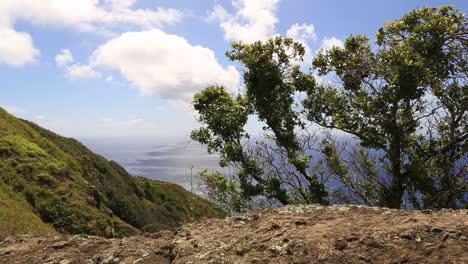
(58, 182)
(17, 217)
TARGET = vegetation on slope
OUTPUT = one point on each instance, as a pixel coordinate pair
(48, 180)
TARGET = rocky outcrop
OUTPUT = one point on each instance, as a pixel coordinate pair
(291, 234)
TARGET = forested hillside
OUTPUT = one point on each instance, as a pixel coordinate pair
(50, 182)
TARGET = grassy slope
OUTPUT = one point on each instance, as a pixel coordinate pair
(56, 179)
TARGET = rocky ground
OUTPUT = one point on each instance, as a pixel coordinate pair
(291, 234)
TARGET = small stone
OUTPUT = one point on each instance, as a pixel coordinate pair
(454, 233)
(445, 236)
(275, 226)
(436, 230)
(275, 250)
(352, 238)
(375, 244)
(406, 236)
(366, 259)
(240, 251)
(463, 238)
(340, 245)
(300, 222)
(60, 245)
(5, 252)
(9, 240)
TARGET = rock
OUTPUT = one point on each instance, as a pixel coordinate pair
(453, 233)
(9, 240)
(300, 222)
(60, 244)
(241, 250)
(374, 244)
(110, 259)
(436, 230)
(340, 245)
(406, 236)
(366, 259)
(351, 238)
(275, 250)
(275, 226)
(450, 234)
(294, 248)
(5, 252)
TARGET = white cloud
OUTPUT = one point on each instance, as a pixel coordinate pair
(64, 58)
(84, 14)
(253, 20)
(303, 33)
(78, 71)
(75, 71)
(40, 117)
(16, 48)
(329, 43)
(163, 64)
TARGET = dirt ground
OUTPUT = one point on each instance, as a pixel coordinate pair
(290, 234)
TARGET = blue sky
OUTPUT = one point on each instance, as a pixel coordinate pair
(128, 68)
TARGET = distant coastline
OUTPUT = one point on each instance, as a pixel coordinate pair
(171, 160)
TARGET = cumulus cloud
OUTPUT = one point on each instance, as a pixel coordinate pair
(64, 58)
(75, 71)
(253, 20)
(329, 43)
(303, 33)
(85, 14)
(16, 48)
(78, 71)
(163, 64)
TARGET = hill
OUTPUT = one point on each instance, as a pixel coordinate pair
(291, 234)
(48, 182)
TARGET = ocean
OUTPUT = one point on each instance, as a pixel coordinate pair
(173, 160)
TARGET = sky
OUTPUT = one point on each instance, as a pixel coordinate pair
(130, 68)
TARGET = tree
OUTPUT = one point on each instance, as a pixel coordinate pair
(403, 101)
(271, 80)
(407, 99)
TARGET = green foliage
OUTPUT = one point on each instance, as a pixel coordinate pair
(396, 100)
(58, 182)
(223, 191)
(271, 80)
(403, 100)
(16, 215)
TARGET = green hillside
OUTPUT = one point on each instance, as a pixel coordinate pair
(50, 182)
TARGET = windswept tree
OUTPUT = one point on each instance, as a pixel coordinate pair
(271, 81)
(403, 101)
(405, 97)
